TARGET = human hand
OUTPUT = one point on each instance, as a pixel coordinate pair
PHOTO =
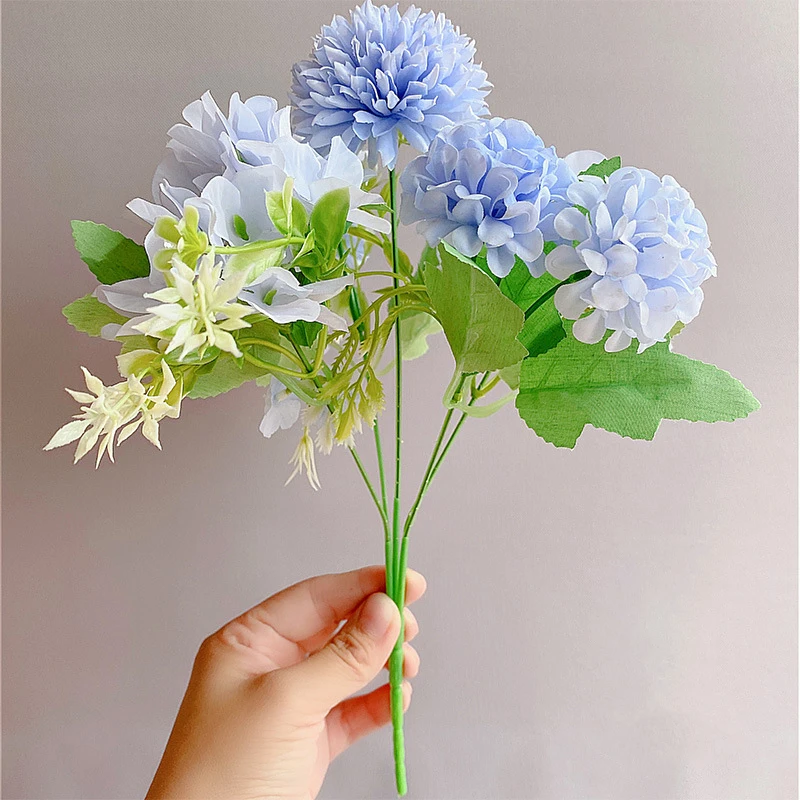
(267, 708)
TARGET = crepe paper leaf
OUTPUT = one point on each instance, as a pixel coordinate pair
(328, 222)
(480, 323)
(602, 169)
(429, 257)
(510, 375)
(521, 287)
(225, 374)
(414, 332)
(305, 333)
(289, 224)
(542, 330)
(110, 256)
(88, 315)
(627, 393)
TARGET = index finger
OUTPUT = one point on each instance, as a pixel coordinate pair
(309, 612)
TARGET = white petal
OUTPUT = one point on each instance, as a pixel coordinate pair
(581, 160)
(590, 330)
(332, 320)
(568, 300)
(572, 225)
(609, 295)
(563, 261)
(619, 340)
(621, 260)
(68, 433)
(595, 261)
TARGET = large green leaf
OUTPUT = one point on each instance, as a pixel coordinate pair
(88, 315)
(628, 393)
(110, 256)
(542, 330)
(480, 323)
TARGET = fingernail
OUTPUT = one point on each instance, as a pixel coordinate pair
(377, 614)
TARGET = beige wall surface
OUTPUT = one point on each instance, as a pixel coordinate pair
(614, 622)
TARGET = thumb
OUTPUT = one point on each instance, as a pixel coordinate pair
(354, 656)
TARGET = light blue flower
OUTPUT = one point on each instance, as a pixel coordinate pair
(381, 73)
(490, 183)
(646, 247)
(215, 144)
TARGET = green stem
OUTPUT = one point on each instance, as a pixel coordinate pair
(399, 576)
(388, 545)
(437, 457)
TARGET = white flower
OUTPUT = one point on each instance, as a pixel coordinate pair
(118, 409)
(277, 294)
(195, 310)
(281, 409)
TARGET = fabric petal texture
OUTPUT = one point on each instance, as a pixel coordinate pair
(647, 247)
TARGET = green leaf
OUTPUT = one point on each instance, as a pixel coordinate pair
(240, 226)
(521, 287)
(602, 169)
(225, 374)
(305, 333)
(110, 256)
(627, 393)
(293, 224)
(480, 323)
(254, 262)
(414, 332)
(428, 258)
(329, 221)
(542, 330)
(89, 315)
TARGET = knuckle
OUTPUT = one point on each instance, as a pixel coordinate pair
(353, 650)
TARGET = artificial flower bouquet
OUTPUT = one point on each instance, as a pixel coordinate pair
(559, 283)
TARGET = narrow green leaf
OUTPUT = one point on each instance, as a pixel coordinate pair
(89, 315)
(480, 323)
(110, 256)
(602, 169)
(627, 393)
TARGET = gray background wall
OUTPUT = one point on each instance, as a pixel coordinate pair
(614, 622)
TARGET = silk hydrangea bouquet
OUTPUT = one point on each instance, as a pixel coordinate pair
(559, 283)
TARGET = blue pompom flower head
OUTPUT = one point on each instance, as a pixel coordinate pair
(490, 183)
(382, 73)
(646, 248)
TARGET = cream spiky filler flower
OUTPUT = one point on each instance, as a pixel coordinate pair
(560, 283)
